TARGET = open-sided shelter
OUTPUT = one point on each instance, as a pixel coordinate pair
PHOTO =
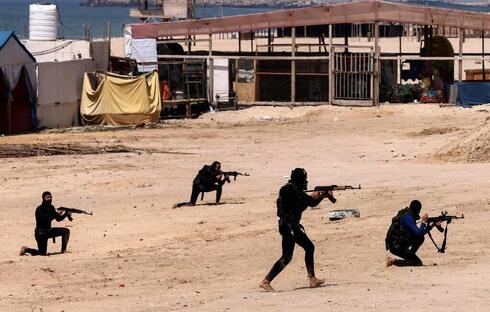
(330, 71)
(18, 83)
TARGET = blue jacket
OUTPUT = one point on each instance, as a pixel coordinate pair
(409, 223)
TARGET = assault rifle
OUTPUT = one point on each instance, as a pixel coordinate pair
(233, 174)
(328, 188)
(432, 222)
(69, 211)
(227, 175)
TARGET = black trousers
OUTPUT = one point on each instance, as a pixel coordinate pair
(199, 188)
(407, 252)
(42, 240)
(292, 235)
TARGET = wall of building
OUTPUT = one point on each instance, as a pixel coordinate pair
(59, 50)
(59, 92)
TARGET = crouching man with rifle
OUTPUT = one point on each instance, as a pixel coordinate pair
(404, 238)
(46, 213)
(209, 179)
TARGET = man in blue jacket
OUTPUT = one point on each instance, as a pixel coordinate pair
(404, 237)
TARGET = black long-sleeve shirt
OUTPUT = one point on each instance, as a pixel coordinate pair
(45, 214)
(207, 176)
(292, 202)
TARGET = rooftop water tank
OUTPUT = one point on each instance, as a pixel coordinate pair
(43, 22)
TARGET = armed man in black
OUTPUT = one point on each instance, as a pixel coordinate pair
(404, 238)
(46, 213)
(291, 203)
(208, 179)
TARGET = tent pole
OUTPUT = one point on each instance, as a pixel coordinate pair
(376, 77)
(460, 61)
(330, 64)
(399, 61)
(293, 65)
(251, 41)
(269, 40)
(211, 70)
(484, 74)
(109, 31)
(9, 114)
(239, 42)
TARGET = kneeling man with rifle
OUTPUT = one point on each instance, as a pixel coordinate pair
(46, 213)
(209, 179)
(404, 237)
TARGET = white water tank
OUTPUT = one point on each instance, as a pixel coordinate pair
(43, 22)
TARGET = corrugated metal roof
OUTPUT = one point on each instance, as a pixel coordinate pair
(356, 12)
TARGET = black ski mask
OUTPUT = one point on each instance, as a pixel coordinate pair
(299, 178)
(415, 207)
(47, 198)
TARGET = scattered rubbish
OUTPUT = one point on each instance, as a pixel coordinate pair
(334, 215)
(50, 270)
(266, 117)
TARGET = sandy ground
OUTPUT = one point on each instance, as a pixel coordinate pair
(136, 253)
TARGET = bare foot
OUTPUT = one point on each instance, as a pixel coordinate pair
(22, 251)
(266, 285)
(389, 261)
(315, 282)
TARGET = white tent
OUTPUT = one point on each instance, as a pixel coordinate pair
(18, 85)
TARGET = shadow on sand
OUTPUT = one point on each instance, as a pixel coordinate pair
(186, 204)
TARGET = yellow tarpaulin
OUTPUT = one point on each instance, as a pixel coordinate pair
(121, 100)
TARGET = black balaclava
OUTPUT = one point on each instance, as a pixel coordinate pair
(299, 178)
(216, 165)
(47, 202)
(415, 207)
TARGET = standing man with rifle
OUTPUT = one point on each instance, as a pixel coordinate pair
(46, 213)
(291, 203)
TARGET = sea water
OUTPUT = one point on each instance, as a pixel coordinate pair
(73, 19)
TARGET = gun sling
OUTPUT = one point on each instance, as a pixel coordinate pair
(443, 245)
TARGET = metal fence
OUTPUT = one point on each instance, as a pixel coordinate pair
(353, 76)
